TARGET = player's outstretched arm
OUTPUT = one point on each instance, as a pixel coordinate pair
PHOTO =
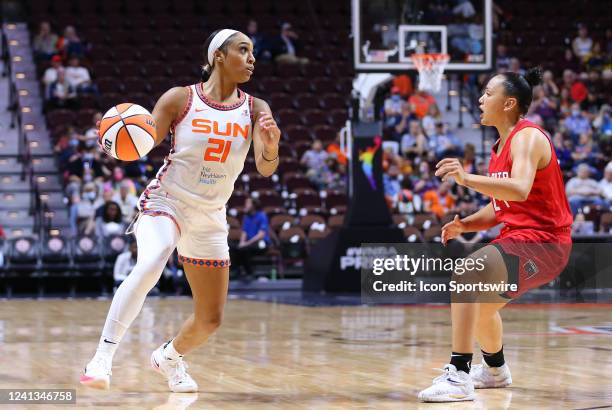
(480, 221)
(528, 148)
(266, 136)
(167, 109)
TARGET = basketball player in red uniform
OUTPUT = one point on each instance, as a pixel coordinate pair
(528, 196)
(212, 124)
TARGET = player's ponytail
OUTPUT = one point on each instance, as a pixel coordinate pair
(206, 70)
(534, 76)
(521, 87)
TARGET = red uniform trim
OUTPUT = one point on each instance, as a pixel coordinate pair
(217, 105)
(182, 116)
(152, 212)
(209, 263)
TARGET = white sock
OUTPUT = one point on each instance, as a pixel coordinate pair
(170, 352)
(107, 348)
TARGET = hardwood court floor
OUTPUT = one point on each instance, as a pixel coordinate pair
(272, 356)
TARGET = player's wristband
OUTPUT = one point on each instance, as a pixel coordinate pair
(269, 160)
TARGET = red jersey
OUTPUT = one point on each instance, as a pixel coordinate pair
(546, 208)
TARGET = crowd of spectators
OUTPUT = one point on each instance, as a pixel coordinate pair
(65, 78)
(573, 106)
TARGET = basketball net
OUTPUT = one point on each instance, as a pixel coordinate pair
(430, 67)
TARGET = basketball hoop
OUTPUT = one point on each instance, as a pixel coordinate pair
(430, 67)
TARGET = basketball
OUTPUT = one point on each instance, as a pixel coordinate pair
(127, 132)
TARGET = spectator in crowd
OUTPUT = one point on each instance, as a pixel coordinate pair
(90, 137)
(440, 201)
(581, 226)
(393, 107)
(577, 123)
(45, 42)
(111, 221)
(334, 150)
(78, 76)
(545, 107)
(83, 209)
(400, 124)
(502, 61)
(314, 158)
(590, 106)
(107, 197)
(86, 165)
(565, 103)
(392, 185)
(61, 93)
(333, 175)
(563, 151)
(51, 74)
(549, 85)
(443, 143)
(425, 180)
(421, 101)
(414, 142)
(126, 200)
(570, 62)
(433, 117)
(583, 43)
(577, 90)
(596, 60)
(287, 46)
(403, 84)
(408, 202)
(66, 146)
(585, 151)
(70, 44)
(515, 66)
(124, 263)
(254, 238)
(469, 158)
(582, 190)
(603, 123)
(260, 50)
(606, 184)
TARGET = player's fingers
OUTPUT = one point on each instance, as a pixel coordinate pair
(444, 170)
(443, 162)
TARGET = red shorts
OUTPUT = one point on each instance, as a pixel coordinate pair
(533, 257)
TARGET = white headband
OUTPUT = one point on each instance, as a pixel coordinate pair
(217, 42)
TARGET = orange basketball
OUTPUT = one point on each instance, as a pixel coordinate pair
(127, 132)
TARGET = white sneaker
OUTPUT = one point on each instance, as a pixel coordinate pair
(486, 377)
(453, 385)
(174, 371)
(97, 373)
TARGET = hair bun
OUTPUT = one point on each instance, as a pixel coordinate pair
(534, 76)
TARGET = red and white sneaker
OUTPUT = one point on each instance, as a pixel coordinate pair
(97, 373)
(174, 371)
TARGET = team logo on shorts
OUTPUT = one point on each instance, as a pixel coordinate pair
(531, 268)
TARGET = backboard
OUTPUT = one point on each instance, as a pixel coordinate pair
(387, 32)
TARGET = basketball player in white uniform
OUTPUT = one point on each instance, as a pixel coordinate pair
(212, 125)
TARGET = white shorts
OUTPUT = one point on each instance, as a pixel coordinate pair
(202, 230)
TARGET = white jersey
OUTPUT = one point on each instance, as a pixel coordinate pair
(210, 142)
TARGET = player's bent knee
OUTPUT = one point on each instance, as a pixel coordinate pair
(209, 323)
